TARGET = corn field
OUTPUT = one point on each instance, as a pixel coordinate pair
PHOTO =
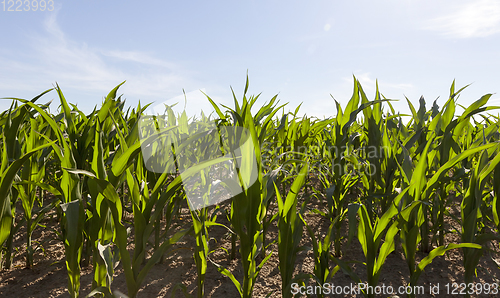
(376, 178)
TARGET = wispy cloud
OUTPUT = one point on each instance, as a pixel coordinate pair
(365, 80)
(475, 19)
(83, 66)
(369, 83)
(494, 101)
(79, 66)
(138, 57)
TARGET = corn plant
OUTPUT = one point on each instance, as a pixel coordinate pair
(98, 169)
(378, 152)
(100, 223)
(343, 178)
(134, 271)
(470, 212)
(322, 255)
(451, 131)
(248, 208)
(370, 236)
(290, 228)
(8, 173)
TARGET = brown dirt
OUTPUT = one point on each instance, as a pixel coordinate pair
(48, 276)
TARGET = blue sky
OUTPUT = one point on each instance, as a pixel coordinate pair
(304, 51)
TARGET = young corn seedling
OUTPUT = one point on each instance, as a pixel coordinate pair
(15, 125)
(98, 170)
(322, 255)
(133, 275)
(419, 190)
(8, 173)
(340, 151)
(100, 223)
(410, 237)
(377, 151)
(451, 131)
(70, 188)
(370, 236)
(470, 213)
(32, 176)
(495, 204)
(248, 208)
(145, 219)
(290, 228)
(411, 223)
(204, 189)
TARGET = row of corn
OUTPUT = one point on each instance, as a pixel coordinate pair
(390, 180)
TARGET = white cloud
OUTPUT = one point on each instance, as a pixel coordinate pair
(476, 19)
(365, 80)
(82, 66)
(88, 70)
(138, 57)
(494, 101)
